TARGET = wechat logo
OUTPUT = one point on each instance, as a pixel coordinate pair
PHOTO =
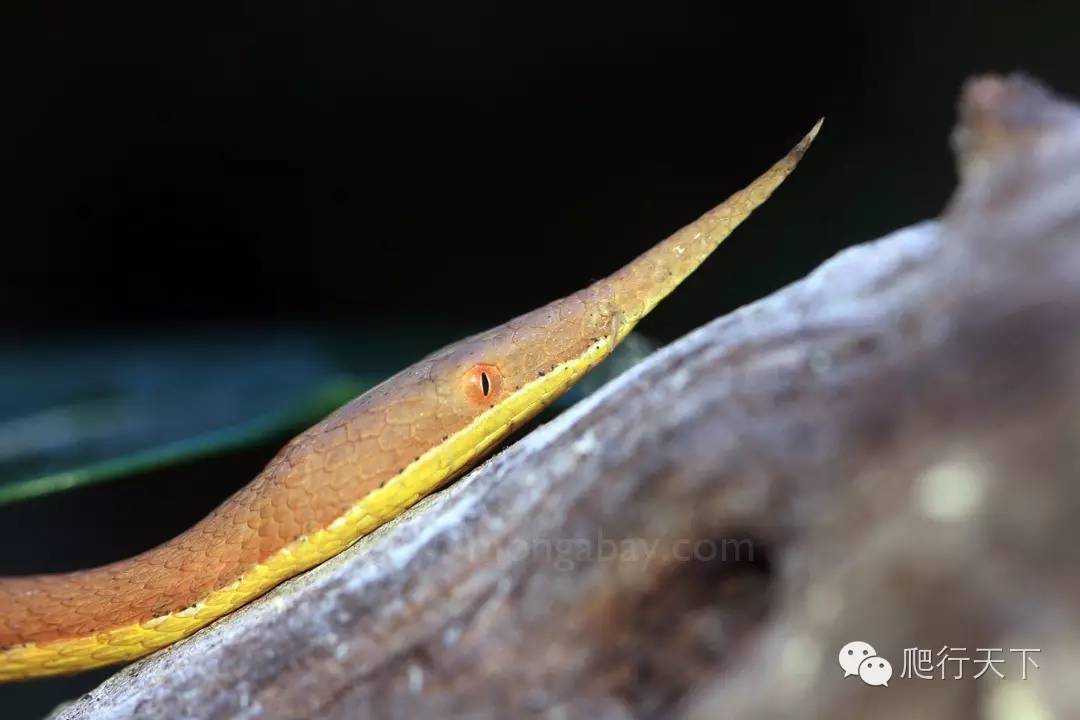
(859, 658)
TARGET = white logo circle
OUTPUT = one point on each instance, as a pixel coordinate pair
(875, 671)
(852, 655)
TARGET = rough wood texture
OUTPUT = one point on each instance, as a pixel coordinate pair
(886, 451)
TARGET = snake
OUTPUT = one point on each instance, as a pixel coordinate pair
(353, 471)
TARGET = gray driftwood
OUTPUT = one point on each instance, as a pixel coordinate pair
(887, 451)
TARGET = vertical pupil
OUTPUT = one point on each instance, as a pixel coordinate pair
(485, 384)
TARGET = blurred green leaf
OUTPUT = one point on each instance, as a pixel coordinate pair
(92, 409)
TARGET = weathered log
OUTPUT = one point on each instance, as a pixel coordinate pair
(885, 451)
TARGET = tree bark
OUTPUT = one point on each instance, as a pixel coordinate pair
(885, 451)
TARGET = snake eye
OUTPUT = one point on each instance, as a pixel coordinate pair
(482, 383)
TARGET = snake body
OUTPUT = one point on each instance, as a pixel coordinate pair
(353, 471)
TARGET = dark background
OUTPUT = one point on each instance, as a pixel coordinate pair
(396, 164)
